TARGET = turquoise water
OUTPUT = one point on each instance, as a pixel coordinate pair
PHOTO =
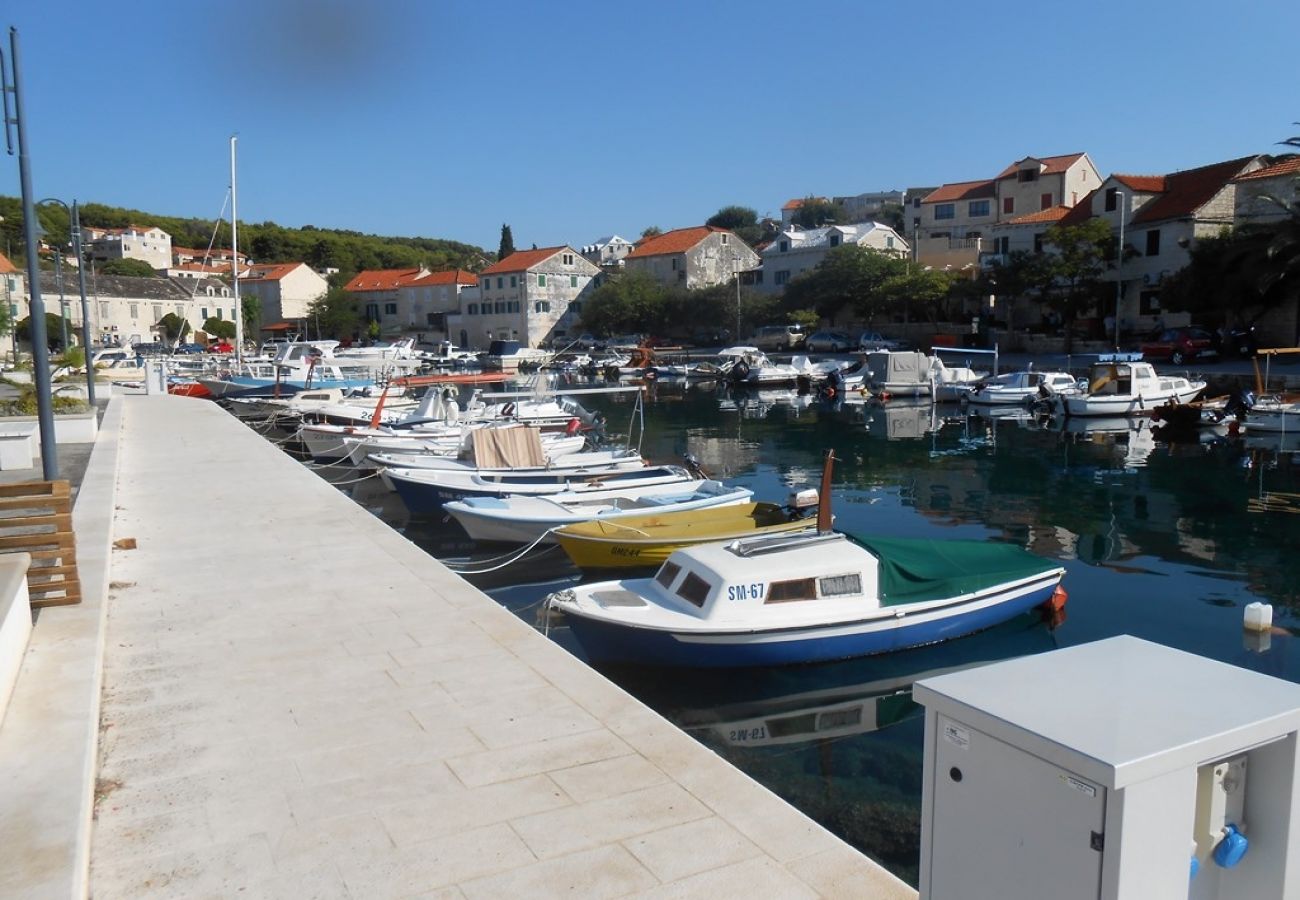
(1165, 541)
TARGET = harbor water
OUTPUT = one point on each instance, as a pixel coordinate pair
(1165, 540)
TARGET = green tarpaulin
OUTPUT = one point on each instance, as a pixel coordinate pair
(917, 569)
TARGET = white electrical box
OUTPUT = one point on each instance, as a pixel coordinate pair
(1117, 770)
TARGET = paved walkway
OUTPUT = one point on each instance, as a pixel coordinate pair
(298, 702)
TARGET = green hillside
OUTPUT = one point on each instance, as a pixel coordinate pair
(348, 251)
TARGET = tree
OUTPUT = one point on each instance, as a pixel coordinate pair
(173, 328)
(136, 268)
(818, 211)
(741, 220)
(651, 231)
(218, 327)
(920, 290)
(1075, 268)
(507, 245)
(334, 314)
(53, 329)
(634, 301)
(849, 276)
(251, 307)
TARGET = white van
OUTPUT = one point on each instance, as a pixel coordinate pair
(778, 337)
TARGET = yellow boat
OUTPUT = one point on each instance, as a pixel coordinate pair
(641, 541)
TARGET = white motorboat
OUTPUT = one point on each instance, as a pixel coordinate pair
(896, 373)
(1273, 414)
(426, 490)
(952, 382)
(1126, 387)
(509, 356)
(751, 367)
(523, 520)
(805, 597)
(583, 459)
(1019, 388)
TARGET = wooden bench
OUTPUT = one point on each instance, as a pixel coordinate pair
(36, 518)
(17, 440)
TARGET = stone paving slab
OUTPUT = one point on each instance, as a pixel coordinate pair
(298, 702)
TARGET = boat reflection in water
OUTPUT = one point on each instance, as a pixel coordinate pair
(903, 419)
(1132, 437)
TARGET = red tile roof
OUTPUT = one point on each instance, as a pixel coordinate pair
(1080, 212)
(199, 267)
(1052, 165)
(793, 204)
(1143, 184)
(523, 260)
(1186, 192)
(269, 271)
(677, 241)
(1290, 166)
(1051, 214)
(6, 267)
(381, 280)
(962, 190)
(451, 276)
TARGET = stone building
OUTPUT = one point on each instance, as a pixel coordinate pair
(425, 303)
(698, 257)
(531, 296)
(152, 245)
(1257, 192)
(608, 252)
(284, 291)
(378, 299)
(797, 250)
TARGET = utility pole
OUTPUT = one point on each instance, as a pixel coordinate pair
(40, 349)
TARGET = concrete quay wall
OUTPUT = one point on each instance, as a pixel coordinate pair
(299, 702)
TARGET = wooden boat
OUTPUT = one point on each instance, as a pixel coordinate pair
(805, 597)
(522, 520)
(1121, 386)
(646, 540)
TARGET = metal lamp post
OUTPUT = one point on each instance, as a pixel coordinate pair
(74, 226)
(1119, 264)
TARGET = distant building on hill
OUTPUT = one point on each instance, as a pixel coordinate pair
(692, 258)
(608, 252)
(284, 290)
(150, 244)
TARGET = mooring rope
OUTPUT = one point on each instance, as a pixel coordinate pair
(512, 557)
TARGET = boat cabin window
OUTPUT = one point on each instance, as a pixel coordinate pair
(841, 585)
(668, 573)
(693, 589)
(787, 591)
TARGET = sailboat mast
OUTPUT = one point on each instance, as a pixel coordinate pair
(234, 256)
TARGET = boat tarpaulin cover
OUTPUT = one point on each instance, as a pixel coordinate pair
(501, 448)
(918, 569)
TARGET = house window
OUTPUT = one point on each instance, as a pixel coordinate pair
(724, 238)
(203, 313)
(674, 264)
(835, 240)
(568, 259)
(978, 208)
(134, 309)
(782, 277)
(945, 211)
(390, 309)
(513, 306)
(211, 292)
(500, 282)
(1002, 245)
(1112, 199)
(785, 245)
(541, 280)
(889, 242)
(514, 280)
(471, 310)
(916, 202)
(542, 306)
(1149, 303)
(499, 307)
(103, 310)
(575, 308)
(1025, 175)
(1153, 242)
(1038, 242)
(157, 311)
(487, 283)
(1045, 201)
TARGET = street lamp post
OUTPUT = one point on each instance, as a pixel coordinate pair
(1119, 264)
(74, 226)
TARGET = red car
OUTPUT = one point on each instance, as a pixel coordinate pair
(221, 347)
(1179, 345)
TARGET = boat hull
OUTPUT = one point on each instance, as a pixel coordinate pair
(895, 629)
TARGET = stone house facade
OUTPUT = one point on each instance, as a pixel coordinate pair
(692, 258)
(531, 296)
(608, 252)
(1257, 190)
(424, 304)
(284, 290)
(377, 292)
(152, 245)
(796, 250)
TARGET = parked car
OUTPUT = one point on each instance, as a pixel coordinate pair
(874, 340)
(190, 348)
(221, 347)
(711, 337)
(829, 342)
(778, 337)
(1179, 345)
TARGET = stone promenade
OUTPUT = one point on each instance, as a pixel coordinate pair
(297, 702)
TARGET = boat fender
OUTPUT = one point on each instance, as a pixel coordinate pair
(884, 396)
(508, 410)
(740, 371)
(1057, 600)
(1231, 849)
(572, 428)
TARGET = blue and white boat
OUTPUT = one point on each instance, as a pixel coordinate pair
(805, 598)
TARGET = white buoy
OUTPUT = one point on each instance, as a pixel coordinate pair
(1259, 616)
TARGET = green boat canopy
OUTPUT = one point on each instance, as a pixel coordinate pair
(913, 570)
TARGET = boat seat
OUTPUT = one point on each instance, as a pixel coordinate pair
(668, 500)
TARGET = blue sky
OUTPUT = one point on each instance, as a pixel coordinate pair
(575, 120)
